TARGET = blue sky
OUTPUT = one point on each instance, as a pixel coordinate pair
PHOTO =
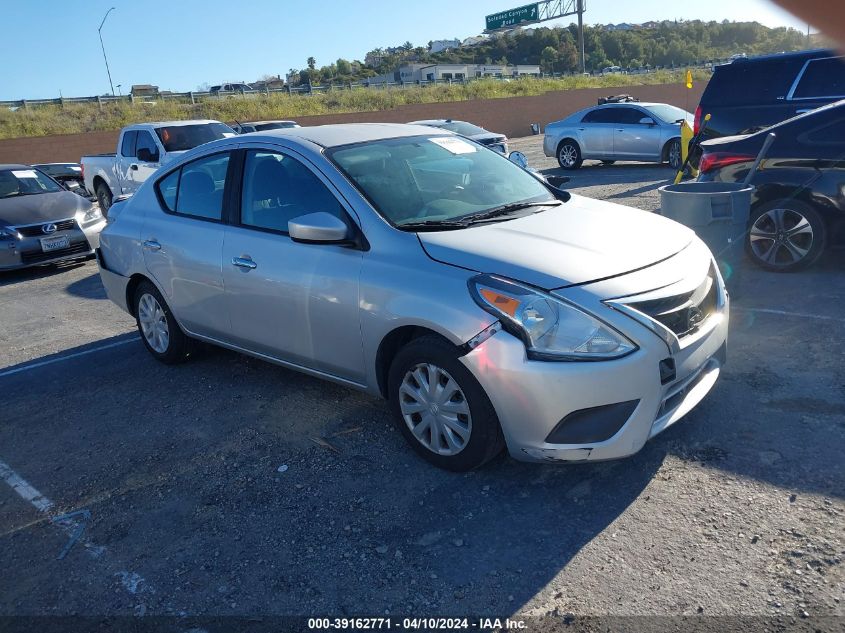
(51, 47)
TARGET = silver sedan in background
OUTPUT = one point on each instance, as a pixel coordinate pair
(486, 306)
(618, 131)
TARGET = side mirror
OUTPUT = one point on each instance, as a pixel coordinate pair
(647, 120)
(318, 228)
(557, 181)
(518, 158)
(146, 156)
(71, 185)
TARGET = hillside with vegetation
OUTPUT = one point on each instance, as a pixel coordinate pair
(657, 44)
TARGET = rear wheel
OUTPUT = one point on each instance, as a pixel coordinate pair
(569, 154)
(785, 235)
(104, 197)
(159, 330)
(440, 408)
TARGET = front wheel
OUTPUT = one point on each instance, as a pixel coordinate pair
(569, 155)
(785, 235)
(673, 154)
(440, 408)
(104, 198)
(159, 330)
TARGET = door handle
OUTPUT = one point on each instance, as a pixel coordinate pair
(581, 129)
(153, 245)
(133, 167)
(619, 129)
(244, 262)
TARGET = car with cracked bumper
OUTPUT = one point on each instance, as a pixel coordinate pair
(489, 308)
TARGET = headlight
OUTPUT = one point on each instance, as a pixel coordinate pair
(89, 217)
(8, 234)
(550, 328)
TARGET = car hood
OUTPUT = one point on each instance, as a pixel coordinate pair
(41, 207)
(582, 240)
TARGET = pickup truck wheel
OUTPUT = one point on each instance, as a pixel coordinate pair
(104, 197)
(440, 408)
(159, 330)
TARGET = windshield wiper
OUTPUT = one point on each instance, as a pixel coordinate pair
(506, 209)
(432, 225)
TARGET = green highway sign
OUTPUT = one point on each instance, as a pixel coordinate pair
(513, 17)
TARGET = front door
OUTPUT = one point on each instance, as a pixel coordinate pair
(292, 301)
(634, 140)
(140, 170)
(182, 244)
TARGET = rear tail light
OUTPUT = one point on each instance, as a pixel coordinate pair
(696, 125)
(716, 160)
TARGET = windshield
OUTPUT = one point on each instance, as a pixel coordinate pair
(668, 113)
(60, 169)
(278, 125)
(435, 179)
(459, 127)
(24, 182)
(177, 138)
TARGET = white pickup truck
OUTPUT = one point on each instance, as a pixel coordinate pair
(141, 149)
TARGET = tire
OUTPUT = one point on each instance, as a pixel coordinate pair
(673, 153)
(608, 162)
(459, 441)
(159, 330)
(104, 197)
(785, 235)
(569, 154)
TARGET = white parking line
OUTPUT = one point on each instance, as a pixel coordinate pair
(24, 489)
(60, 359)
(800, 315)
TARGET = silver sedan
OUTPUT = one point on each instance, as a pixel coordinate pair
(489, 308)
(618, 131)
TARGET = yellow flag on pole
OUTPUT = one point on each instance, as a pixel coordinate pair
(689, 78)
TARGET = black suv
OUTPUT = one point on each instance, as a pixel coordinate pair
(752, 93)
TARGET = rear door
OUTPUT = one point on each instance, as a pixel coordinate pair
(634, 140)
(291, 301)
(596, 131)
(183, 239)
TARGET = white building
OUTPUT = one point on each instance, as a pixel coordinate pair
(415, 73)
(438, 46)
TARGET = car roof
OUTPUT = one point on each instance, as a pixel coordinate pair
(815, 52)
(268, 121)
(14, 166)
(173, 123)
(348, 133)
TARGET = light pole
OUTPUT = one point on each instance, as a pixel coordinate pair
(100, 31)
(118, 90)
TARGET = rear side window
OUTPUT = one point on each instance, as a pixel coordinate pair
(197, 188)
(822, 78)
(751, 82)
(602, 115)
(127, 145)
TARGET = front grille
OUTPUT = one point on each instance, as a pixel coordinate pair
(34, 230)
(36, 257)
(685, 313)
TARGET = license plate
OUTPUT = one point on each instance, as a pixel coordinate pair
(54, 243)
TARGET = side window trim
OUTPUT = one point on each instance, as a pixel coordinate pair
(227, 185)
(800, 75)
(293, 154)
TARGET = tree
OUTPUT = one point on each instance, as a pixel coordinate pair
(548, 59)
(343, 67)
(312, 63)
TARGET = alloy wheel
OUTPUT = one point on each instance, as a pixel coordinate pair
(153, 322)
(435, 409)
(781, 237)
(675, 155)
(568, 155)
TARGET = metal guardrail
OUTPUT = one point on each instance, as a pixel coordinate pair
(305, 90)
